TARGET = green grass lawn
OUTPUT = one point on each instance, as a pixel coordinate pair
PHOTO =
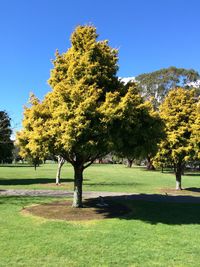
(153, 234)
(114, 178)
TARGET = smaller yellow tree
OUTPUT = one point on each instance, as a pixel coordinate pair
(178, 113)
(35, 140)
(31, 139)
(135, 127)
(196, 133)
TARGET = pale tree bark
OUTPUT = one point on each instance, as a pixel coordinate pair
(61, 162)
(178, 174)
(150, 164)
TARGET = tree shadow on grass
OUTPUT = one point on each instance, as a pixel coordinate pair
(186, 173)
(154, 209)
(193, 189)
(17, 166)
(111, 184)
(151, 209)
(192, 174)
(16, 181)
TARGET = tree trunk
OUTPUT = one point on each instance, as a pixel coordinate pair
(178, 174)
(58, 174)
(178, 181)
(162, 169)
(78, 182)
(61, 161)
(129, 163)
(100, 161)
(150, 164)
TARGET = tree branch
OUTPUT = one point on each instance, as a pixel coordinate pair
(91, 160)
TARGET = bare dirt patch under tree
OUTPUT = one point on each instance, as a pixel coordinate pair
(93, 209)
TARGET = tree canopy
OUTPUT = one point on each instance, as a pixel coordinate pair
(31, 139)
(178, 111)
(6, 144)
(196, 132)
(68, 122)
(158, 83)
(139, 127)
(89, 112)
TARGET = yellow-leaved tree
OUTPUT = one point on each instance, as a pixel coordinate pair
(30, 139)
(89, 112)
(196, 132)
(178, 111)
(134, 126)
(80, 79)
(34, 142)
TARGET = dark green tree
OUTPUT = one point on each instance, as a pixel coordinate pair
(6, 144)
(139, 129)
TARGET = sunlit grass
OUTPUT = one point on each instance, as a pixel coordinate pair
(107, 177)
(153, 234)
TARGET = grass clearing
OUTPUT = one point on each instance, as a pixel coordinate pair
(63, 210)
(153, 234)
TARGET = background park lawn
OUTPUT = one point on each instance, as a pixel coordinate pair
(152, 234)
(98, 177)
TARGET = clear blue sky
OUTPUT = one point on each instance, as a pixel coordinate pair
(150, 34)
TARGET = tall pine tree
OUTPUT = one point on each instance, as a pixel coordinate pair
(6, 144)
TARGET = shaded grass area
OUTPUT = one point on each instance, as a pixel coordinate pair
(26, 177)
(107, 177)
(153, 234)
(18, 165)
(166, 213)
(154, 209)
(34, 181)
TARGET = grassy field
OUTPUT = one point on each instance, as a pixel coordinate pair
(114, 178)
(153, 234)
